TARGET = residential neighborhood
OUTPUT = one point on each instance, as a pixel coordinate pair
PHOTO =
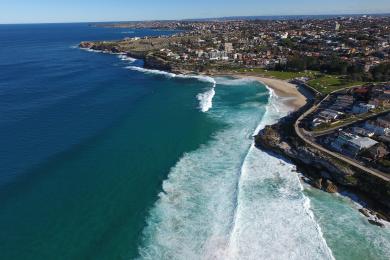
(355, 122)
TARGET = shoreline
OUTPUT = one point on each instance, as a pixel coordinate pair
(296, 101)
(283, 89)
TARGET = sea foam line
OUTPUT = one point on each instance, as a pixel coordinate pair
(307, 207)
(205, 98)
(121, 55)
(307, 203)
(234, 249)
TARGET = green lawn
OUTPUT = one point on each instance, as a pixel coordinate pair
(284, 75)
(329, 83)
(321, 82)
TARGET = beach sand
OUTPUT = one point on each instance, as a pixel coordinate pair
(283, 89)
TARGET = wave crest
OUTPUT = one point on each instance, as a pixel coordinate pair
(205, 98)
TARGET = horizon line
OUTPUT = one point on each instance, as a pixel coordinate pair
(199, 19)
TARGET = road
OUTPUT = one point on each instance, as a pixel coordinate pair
(358, 119)
(302, 134)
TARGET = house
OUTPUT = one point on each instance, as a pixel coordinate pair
(384, 121)
(362, 108)
(362, 132)
(228, 47)
(378, 129)
(342, 103)
(351, 145)
(329, 115)
(376, 152)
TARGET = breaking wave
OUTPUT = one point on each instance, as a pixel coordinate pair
(205, 98)
(234, 81)
(95, 51)
(124, 57)
(229, 200)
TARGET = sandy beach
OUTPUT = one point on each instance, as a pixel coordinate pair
(283, 89)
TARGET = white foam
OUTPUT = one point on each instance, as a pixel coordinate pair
(234, 81)
(150, 71)
(124, 57)
(96, 51)
(223, 202)
(205, 98)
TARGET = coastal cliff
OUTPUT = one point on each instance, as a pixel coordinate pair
(151, 60)
(323, 171)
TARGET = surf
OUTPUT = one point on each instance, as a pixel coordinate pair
(205, 98)
(229, 200)
(273, 219)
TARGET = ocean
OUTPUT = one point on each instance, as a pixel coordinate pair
(103, 159)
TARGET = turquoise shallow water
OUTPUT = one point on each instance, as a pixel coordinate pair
(348, 232)
(101, 159)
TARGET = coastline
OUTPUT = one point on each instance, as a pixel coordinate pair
(283, 89)
(292, 97)
(297, 102)
(375, 213)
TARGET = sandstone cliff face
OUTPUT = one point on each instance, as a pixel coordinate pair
(112, 48)
(154, 62)
(322, 169)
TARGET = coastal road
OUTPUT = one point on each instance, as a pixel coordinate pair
(303, 135)
(358, 120)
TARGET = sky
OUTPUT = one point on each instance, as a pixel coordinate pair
(51, 11)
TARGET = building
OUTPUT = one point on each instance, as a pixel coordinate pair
(377, 128)
(384, 121)
(342, 103)
(352, 145)
(337, 27)
(375, 153)
(362, 108)
(329, 115)
(362, 132)
(228, 47)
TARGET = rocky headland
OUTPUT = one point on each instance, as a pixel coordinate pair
(144, 49)
(320, 170)
(324, 172)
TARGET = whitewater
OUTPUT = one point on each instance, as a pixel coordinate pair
(205, 98)
(229, 200)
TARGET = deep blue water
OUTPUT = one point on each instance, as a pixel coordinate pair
(99, 160)
(46, 86)
(84, 142)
